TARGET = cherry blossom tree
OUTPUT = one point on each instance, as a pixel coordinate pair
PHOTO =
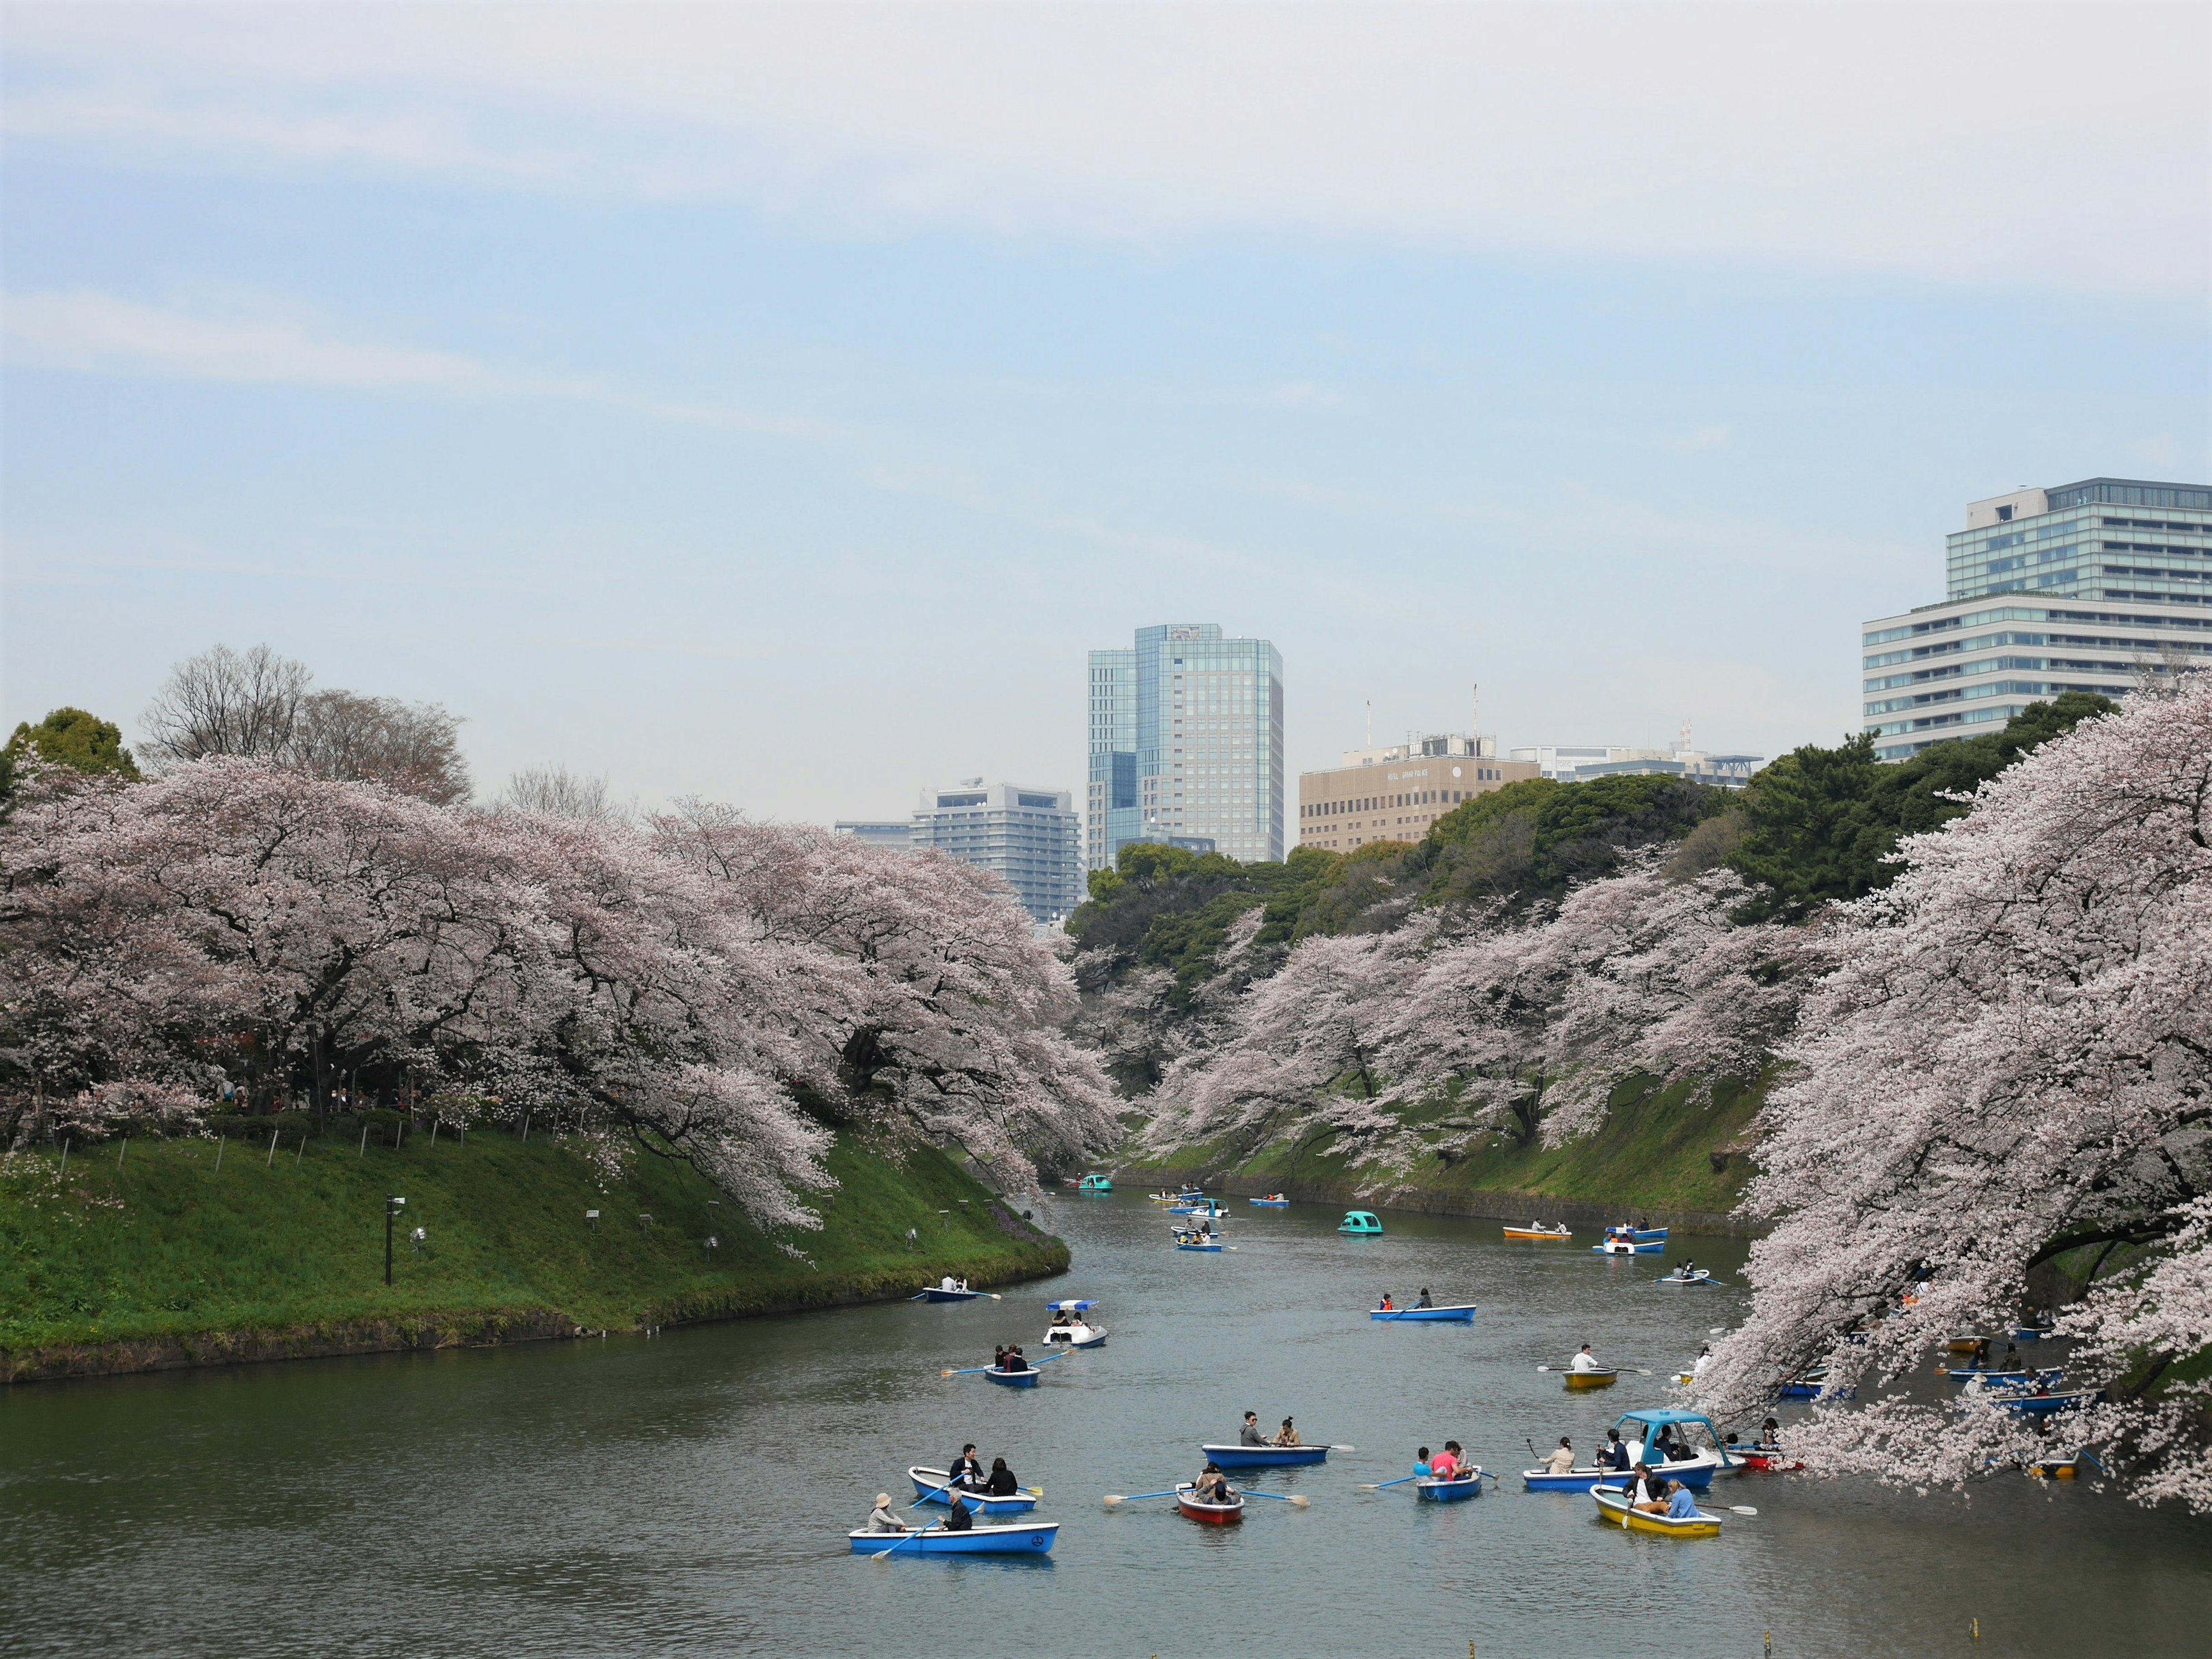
(2009, 1066)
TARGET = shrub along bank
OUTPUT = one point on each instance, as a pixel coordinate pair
(1662, 1153)
(151, 1256)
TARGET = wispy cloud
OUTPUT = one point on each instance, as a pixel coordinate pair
(87, 332)
(1903, 140)
(1698, 440)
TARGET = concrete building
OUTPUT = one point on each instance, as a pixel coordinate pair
(1560, 762)
(878, 832)
(1186, 744)
(1579, 763)
(1031, 837)
(2076, 588)
(1396, 792)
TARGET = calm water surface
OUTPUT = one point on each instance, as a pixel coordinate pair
(692, 1494)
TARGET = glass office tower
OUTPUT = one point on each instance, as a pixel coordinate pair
(1186, 744)
(2079, 588)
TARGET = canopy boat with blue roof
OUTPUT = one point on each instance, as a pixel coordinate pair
(1638, 1430)
(1070, 1328)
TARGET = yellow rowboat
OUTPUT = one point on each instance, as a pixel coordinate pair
(1965, 1344)
(1556, 1235)
(1604, 1379)
(1615, 1507)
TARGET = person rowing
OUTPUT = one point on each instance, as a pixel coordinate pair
(1012, 1360)
(1453, 1465)
(966, 1471)
(958, 1519)
(1644, 1487)
(1585, 1361)
(1613, 1455)
(1426, 1301)
(1212, 1486)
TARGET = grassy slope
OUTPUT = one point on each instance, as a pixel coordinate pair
(170, 1247)
(1653, 1153)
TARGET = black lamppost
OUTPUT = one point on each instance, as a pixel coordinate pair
(392, 1207)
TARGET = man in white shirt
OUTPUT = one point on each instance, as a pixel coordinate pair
(1585, 1361)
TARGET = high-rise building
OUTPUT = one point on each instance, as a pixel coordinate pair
(1186, 744)
(895, 833)
(1395, 793)
(2079, 588)
(1033, 838)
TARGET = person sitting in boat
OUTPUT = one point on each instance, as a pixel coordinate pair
(1460, 1469)
(2011, 1357)
(1585, 1361)
(1705, 1359)
(958, 1519)
(1013, 1360)
(1002, 1483)
(880, 1519)
(1682, 1504)
(1249, 1435)
(1615, 1453)
(1655, 1503)
(1426, 1301)
(1386, 1306)
(1421, 1467)
(1562, 1461)
(966, 1471)
(1062, 1319)
(1644, 1488)
(1287, 1436)
(999, 1358)
(1688, 1270)
(1444, 1465)
(1213, 1484)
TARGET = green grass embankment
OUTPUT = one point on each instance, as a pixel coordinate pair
(1653, 1155)
(169, 1260)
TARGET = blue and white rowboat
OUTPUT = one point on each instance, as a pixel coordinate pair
(1027, 1538)
(1450, 1491)
(1458, 1313)
(1027, 1379)
(929, 1486)
(936, 1293)
(2043, 1404)
(1198, 1244)
(1629, 1247)
(1965, 1377)
(1265, 1457)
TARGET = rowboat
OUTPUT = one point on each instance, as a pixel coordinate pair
(1220, 1515)
(1177, 1198)
(1276, 1202)
(930, 1487)
(1533, 1230)
(1204, 1206)
(1191, 1242)
(1360, 1224)
(1964, 1343)
(1808, 1386)
(1695, 1276)
(1027, 1379)
(2043, 1404)
(1265, 1457)
(1649, 1234)
(1613, 1505)
(1456, 1313)
(1966, 1376)
(1080, 1332)
(1765, 1460)
(1095, 1183)
(1638, 1429)
(1025, 1538)
(1458, 1489)
(1601, 1377)
(1627, 1246)
(939, 1293)
(2066, 1468)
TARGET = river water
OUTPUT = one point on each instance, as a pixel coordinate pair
(690, 1494)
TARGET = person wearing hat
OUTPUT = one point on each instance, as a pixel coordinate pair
(883, 1520)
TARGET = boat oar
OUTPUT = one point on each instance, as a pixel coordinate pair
(1741, 1509)
(1297, 1498)
(1377, 1485)
(1034, 1365)
(1115, 1499)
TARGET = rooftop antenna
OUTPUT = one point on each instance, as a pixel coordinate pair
(1370, 722)
(1474, 707)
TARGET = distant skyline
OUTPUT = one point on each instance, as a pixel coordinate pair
(693, 395)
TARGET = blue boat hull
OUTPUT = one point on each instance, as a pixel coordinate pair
(1265, 1457)
(1034, 1538)
(950, 1296)
(1027, 1379)
(1696, 1476)
(1270, 1203)
(1448, 1491)
(2044, 1405)
(1658, 1248)
(1808, 1388)
(1208, 1249)
(1460, 1315)
(1650, 1235)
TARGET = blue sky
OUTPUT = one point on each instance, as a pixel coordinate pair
(775, 403)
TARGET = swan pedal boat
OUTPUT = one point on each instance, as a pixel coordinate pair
(1265, 1457)
(1557, 1235)
(929, 1487)
(1613, 1505)
(1220, 1515)
(1081, 1334)
(1604, 1376)
(1026, 1379)
(1456, 1313)
(1025, 1538)
(1458, 1489)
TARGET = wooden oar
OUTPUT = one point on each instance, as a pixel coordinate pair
(1115, 1499)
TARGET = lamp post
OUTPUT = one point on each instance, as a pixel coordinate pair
(392, 1207)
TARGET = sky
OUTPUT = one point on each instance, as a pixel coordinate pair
(775, 404)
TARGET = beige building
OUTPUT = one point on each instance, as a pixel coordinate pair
(1396, 794)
